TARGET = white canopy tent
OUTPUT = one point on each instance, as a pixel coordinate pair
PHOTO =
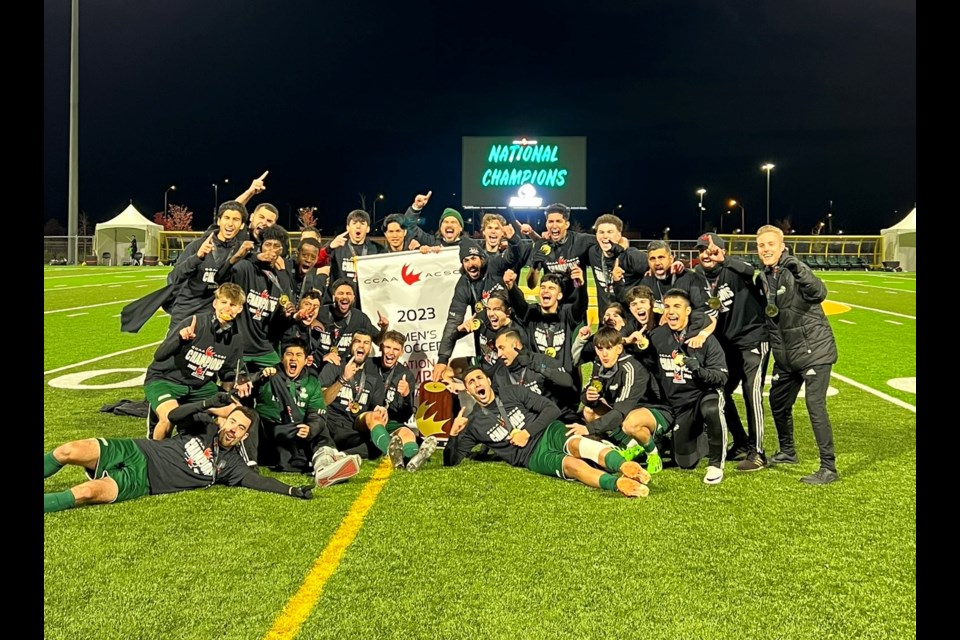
(113, 236)
(900, 242)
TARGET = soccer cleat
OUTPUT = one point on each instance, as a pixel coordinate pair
(630, 453)
(631, 488)
(395, 451)
(339, 471)
(427, 447)
(654, 463)
(738, 452)
(714, 475)
(821, 476)
(781, 457)
(755, 462)
(634, 471)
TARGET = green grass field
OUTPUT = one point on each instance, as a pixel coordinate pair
(489, 551)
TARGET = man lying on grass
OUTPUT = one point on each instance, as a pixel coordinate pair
(202, 454)
(521, 428)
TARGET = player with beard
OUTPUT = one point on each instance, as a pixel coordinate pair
(202, 351)
(540, 374)
(550, 326)
(623, 401)
(203, 453)
(395, 439)
(736, 297)
(663, 277)
(496, 318)
(470, 296)
(449, 232)
(341, 319)
(522, 429)
(692, 379)
(559, 251)
(294, 427)
(354, 394)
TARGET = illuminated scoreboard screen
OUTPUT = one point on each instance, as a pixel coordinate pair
(524, 172)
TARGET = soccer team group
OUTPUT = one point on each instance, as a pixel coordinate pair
(269, 360)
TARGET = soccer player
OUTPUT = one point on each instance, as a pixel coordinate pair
(663, 276)
(342, 319)
(559, 251)
(692, 378)
(519, 365)
(202, 352)
(345, 248)
(521, 428)
(804, 350)
(202, 454)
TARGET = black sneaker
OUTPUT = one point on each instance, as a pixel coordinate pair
(821, 476)
(781, 457)
(755, 462)
(738, 452)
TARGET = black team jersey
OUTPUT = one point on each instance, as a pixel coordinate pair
(211, 356)
(194, 459)
(263, 287)
(362, 393)
(552, 334)
(512, 408)
(690, 281)
(633, 261)
(343, 262)
(560, 257)
(336, 331)
(602, 266)
(626, 386)
(199, 277)
(488, 343)
(543, 376)
(472, 295)
(741, 321)
(399, 408)
(682, 386)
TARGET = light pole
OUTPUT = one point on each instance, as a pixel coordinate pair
(375, 200)
(216, 197)
(172, 187)
(701, 191)
(734, 203)
(768, 167)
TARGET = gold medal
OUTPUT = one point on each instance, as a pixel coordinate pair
(772, 311)
(596, 385)
(643, 343)
(550, 352)
(713, 302)
(478, 307)
(284, 300)
(545, 249)
(475, 324)
(678, 360)
(354, 407)
(657, 307)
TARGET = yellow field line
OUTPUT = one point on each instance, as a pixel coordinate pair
(288, 623)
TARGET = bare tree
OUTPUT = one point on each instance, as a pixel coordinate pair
(306, 217)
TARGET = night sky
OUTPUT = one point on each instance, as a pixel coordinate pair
(337, 99)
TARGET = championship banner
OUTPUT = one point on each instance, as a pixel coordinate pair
(414, 290)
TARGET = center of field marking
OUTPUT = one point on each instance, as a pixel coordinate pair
(98, 358)
(871, 390)
(298, 608)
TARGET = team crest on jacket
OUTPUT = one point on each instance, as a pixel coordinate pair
(206, 362)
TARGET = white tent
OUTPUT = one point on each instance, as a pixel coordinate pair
(900, 242)
(113, 236)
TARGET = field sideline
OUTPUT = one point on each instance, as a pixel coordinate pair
(485, 550)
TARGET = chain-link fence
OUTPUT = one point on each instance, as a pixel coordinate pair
(56, 248)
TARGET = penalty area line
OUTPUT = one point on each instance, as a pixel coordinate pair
(298, 608)
(109, 355)
(871, 390)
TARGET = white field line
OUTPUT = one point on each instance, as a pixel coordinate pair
(894, 322)
(90, 306)
(74, 315)
(88, 274)
(849, 321)
(872, 286)
(63, 287)
(109, 355)
(890, 313)
(871, 390)
(862, 292)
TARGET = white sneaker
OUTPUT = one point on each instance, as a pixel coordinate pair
(338, 471)
(714, 475)
(427, 447)
(323, 457)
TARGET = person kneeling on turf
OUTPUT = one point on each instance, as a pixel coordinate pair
(522, 429)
